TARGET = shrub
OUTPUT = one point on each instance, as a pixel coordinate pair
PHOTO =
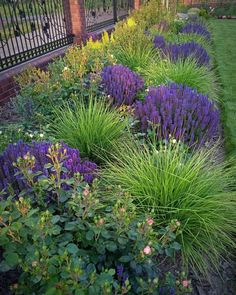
(121, 84)
(39, 153)
(183, 72)
(92, 127)
(193, 188)
(86, 245)
(196, 28)
(180, 112)
(76, 74)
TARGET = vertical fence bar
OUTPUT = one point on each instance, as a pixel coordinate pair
(114, 3)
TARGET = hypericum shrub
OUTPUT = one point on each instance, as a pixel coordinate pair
(195, 28)
(91, 127)
(40, 151)
(193, 187)
(121, 84)
(180, 112)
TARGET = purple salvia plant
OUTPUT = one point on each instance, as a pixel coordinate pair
(175, 52)
(195, 28)
(159, 42)
(72, 163)
(121, 84)
(180, 112)
(183, 51)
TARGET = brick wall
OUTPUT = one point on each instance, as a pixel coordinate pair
(8, 87)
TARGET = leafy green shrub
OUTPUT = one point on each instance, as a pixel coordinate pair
(193, 188)
(91, 127)
(183, 72)
(76, 74)
(85, 244)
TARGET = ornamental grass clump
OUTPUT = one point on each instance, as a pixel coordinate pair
(195, 28)
(186, 72)
(12, 181)
(91, 127)
(180, 112)
(191, 187)
(121, 84)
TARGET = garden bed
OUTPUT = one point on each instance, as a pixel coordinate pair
(112, 182)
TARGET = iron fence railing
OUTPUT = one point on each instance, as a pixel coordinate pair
(30, 28)
(102, 13)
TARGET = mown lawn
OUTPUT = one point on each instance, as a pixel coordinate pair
(224, 32)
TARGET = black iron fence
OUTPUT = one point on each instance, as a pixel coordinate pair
(30, 28)
(102, 13)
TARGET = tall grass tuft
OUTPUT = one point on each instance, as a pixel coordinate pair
(183, 72)
(193, 188)
(91, 127)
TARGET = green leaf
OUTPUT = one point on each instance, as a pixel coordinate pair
(169, 252)
(122, 241)
(56, 229)
(11, 258)
(70, 225)
(176, 246)
(101, 249)
(112, 271)
(125, 258)
(105, 234)
(47, 166)
(89, 235)
(72, 248)
(53, 291)
(55, 219)
(111, 246)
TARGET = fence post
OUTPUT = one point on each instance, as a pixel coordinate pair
(137, 4)
(76, 19)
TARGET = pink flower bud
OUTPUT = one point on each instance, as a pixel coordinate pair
(85, 192)
(147, 250)
(185, 283)
(150, 221)
(122, 210)
(177, 223)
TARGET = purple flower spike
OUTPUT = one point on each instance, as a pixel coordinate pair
(190, 49)
(121, 84)
(159, 42)
(178, 111)
(195, 28)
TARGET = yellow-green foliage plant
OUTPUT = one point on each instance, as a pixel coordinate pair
(153, 11)
(131, 46)
(173, 183)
